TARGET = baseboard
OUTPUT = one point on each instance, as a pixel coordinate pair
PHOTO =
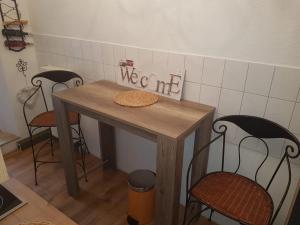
(41, 136)
(8, 148)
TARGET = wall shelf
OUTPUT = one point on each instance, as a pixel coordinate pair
(11, 20)
(15, 22)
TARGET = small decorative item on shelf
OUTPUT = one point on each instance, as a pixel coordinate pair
(16, 44)
(12, 32)
(15, 22)
(126, 62)
(13, 26)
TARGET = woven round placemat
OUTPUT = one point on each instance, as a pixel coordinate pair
(37, 223)
(135, 98)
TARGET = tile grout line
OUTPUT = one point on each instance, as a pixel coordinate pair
(285, 141)
(269, 97)
(293, 111)
(298, 95)
(152, 57)
(113, 62)
(240, 109)
(268, 100)
(244, 89)
(223, 72)
(202, 73)
(247, 92)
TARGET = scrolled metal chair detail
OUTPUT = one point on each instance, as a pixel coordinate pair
(231, 194)
(46, 119)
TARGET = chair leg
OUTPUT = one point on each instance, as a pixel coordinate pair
(185, 211)
(51, 142)
(196, 216)
(81, 136)
(210, 215)
(83, 162)
(82, 150)
(34, 159)
(35, 173)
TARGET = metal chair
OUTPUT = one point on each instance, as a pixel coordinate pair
(231, 194)
(46, 119)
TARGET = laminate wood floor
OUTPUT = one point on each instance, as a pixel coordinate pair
(102, 200)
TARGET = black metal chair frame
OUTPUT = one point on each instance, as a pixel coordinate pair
(258, 128)
(58, 77)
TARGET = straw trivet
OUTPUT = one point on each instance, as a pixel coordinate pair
(37, 223)
(135, 98)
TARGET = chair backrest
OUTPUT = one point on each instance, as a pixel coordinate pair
(57, 77)
(261, 129)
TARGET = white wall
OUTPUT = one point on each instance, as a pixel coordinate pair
(5, 112)
(12, 81)
(254, 30)
(260, 31)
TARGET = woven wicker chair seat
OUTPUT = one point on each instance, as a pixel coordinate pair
(47, 119)
(236, 197)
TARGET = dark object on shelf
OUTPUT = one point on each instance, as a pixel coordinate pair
(47, 119)
(12, 32)
(8, 202)
(250, 202)
(10, 16)
(16, 44)
(141, 196)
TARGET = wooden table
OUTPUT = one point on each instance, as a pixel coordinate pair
(36, 209)
(167, 123)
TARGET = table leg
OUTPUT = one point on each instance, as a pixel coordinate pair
(66, 146)
(107, 144)
(202, 137)
(168, 169)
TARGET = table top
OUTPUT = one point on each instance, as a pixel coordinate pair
(36, 209)
(168, 117)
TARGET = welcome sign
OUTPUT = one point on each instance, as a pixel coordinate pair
(157, 80)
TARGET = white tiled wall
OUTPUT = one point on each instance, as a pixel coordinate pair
(259, 79)
(233, 87)
(213, 70)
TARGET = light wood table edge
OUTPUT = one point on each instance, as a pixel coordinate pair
(35, 209)
(120, 124)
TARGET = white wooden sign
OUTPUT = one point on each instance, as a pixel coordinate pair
(152, 79)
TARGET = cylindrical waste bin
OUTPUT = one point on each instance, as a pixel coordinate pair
(141, 196)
